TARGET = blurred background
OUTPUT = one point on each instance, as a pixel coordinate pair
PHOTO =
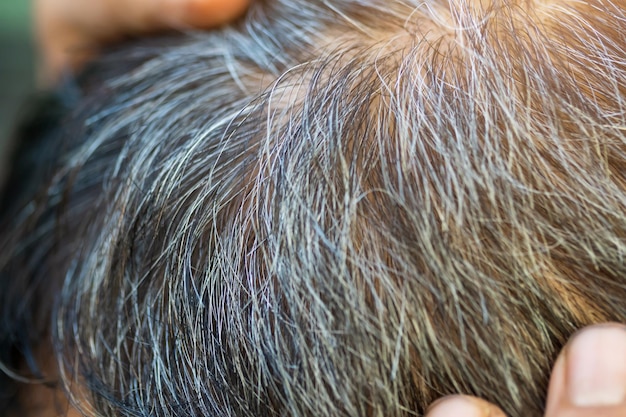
(16, 66)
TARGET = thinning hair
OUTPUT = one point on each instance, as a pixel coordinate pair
(332, 208)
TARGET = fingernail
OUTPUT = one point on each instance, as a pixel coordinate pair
(457, 406)
(596, 366)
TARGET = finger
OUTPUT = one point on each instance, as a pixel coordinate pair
(69, 31)
(209, 13)
(463, 406)
(589, 377)
(141, 16)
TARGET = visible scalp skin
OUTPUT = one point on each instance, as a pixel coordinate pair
(332, 209)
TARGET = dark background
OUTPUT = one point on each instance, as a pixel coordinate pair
(17, 63)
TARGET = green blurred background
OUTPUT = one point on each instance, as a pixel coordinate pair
(16, 66)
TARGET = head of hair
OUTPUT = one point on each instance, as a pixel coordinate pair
(335, 208)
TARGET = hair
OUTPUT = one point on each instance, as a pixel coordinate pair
(331, 208)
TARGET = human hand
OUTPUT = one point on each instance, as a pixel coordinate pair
(588, 380)
(69, 31)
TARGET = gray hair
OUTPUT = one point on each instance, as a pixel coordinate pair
(333, 208)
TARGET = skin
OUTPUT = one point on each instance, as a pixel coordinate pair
(69, 31)
(589, 377)
(588, 380)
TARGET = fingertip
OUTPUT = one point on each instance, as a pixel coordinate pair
(146, 16)
(209, 13)
(463, 406)
(589, 377)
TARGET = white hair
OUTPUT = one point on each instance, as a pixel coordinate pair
(333, 208)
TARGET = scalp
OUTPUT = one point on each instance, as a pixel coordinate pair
(352, 216)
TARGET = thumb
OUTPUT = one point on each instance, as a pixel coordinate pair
(589, 377)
